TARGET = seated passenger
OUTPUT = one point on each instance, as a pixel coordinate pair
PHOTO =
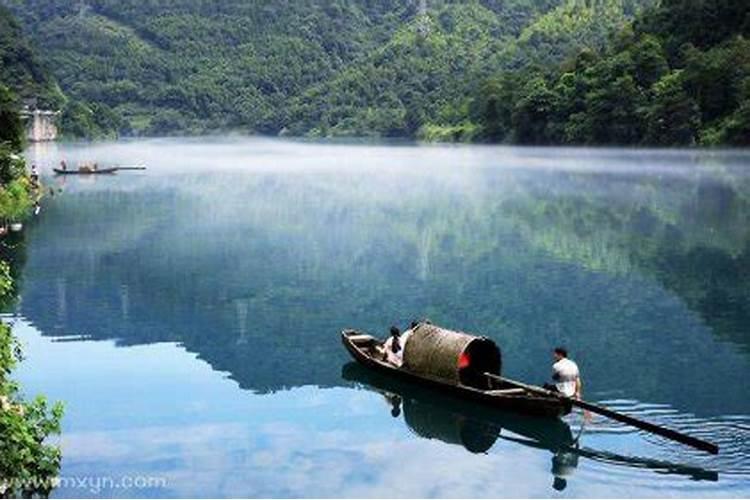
(393, 351)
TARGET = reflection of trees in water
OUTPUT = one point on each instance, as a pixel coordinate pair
(690, 233)
(258, 273)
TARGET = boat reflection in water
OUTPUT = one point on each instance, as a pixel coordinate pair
(432, 415)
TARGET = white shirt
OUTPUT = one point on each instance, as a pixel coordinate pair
(565, 374)
(395, 358)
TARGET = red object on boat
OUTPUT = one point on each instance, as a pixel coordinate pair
(463, 361)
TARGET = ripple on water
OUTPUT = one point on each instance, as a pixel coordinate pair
(731, 433)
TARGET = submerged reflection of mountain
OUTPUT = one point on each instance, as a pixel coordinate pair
(477, 428)
(528, 260)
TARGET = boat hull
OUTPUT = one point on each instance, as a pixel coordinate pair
(100, 171)
(526, 403)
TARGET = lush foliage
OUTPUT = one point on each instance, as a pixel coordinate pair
(11, 128)
(28, 464)
(28, 79)
(528, 71)
(316, 68)
(21, 68)
(678, 75)
(16, 190)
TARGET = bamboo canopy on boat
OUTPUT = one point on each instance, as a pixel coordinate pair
(451, 356)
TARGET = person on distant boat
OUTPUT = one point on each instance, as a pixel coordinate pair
(63, 165)
(34, 173)
(393, 351)
(565, 375)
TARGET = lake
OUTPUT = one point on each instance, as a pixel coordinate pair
(189, 316)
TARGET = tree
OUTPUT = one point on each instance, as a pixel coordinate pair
(532, 112)
(650, 61)
(673, 117)
(11, 127)
(493, 107)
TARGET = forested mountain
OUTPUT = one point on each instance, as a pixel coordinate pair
(652, 72)
(678, 75)
(25, 78)
(354, 67)
(20, 68)
(192, 66)
(426, 78)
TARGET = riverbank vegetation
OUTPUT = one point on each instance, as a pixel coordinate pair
(18, 191)
(619, 72)
(28, 462)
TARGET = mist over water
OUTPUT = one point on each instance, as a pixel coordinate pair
(189, 314)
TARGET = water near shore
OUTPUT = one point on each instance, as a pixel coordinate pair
(189, 316)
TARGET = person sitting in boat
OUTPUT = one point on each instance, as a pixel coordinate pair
(63, 165)
(393, 351)
(565, 375)
(34, 173)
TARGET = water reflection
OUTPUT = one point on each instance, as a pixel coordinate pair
(255, 254)
(432, 415)
(235, 263)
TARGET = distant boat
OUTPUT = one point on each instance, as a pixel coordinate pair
(86, 171)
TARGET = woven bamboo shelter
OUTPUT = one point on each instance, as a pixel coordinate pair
(453, 357)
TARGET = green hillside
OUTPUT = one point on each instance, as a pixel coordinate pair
(678, 75)
(189, 66)
(321, 68)
(21, 70)
(643, 72)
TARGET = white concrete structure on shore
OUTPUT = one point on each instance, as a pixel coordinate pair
(40, 124)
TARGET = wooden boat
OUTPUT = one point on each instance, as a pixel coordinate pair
(86, 171)
(363, 348)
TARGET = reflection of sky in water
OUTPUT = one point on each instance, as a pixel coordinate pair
(237, 262)
(157, 412)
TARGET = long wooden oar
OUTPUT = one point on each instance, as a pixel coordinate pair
(620, 417)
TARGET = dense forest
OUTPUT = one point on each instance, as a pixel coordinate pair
(667, 72)
(678, 75)
(25, 78)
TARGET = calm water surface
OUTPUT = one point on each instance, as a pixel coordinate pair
(189, 315)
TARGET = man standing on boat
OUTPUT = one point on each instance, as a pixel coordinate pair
(565, 374)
